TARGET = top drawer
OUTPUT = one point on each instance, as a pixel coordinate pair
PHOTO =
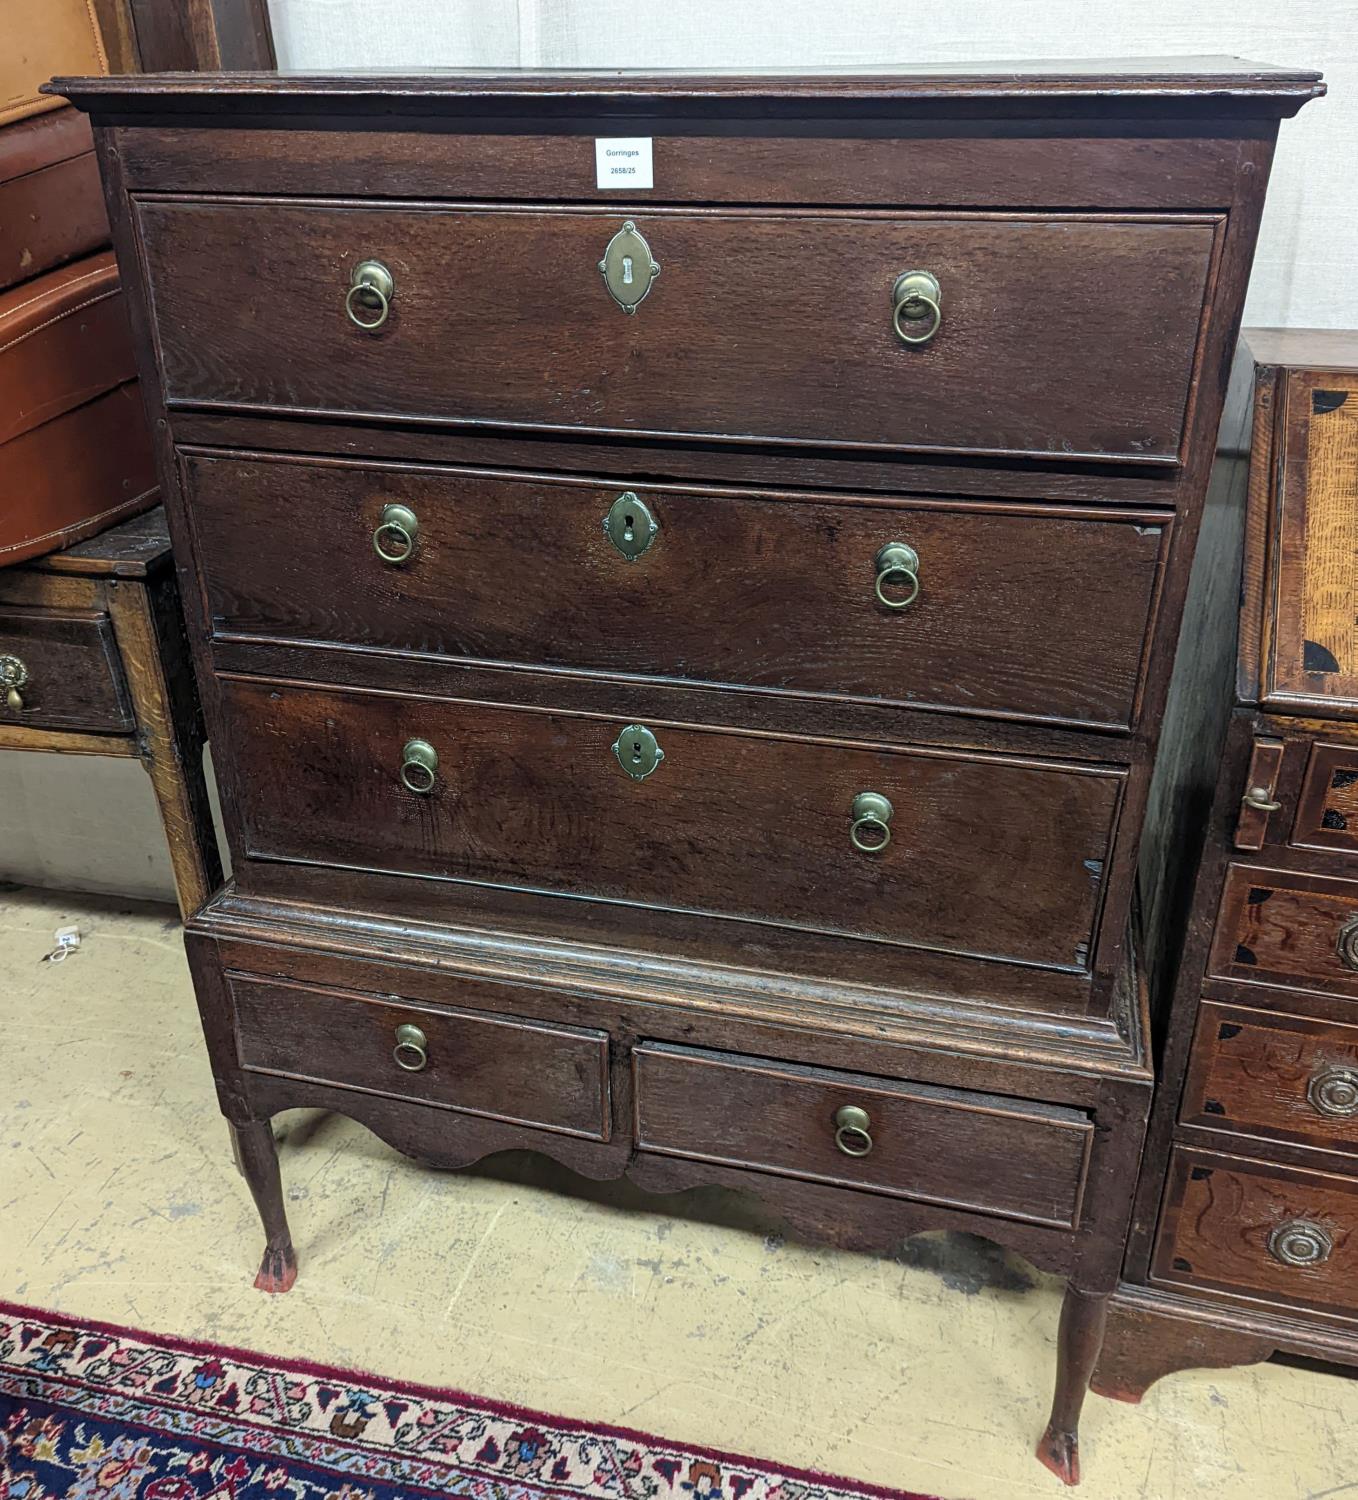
(760, 326)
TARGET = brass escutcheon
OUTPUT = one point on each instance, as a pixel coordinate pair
(630, 526)
(638, 751)
(628, 267)
(1346, 944)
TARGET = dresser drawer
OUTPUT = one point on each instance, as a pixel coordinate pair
(1327, 812)
(1274, 927)
(947, 1146)
(1019, 611)
(1287, 1078)
(732, 824)
(1259, 1231)
(762, 326)
(67, 669)
(501, 1067)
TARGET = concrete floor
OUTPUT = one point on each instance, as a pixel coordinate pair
(689, 1316)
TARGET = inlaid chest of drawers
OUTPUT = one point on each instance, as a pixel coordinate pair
(684, 573)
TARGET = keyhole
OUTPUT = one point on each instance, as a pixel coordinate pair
(628, 534)
(636, 752)
(627, 270)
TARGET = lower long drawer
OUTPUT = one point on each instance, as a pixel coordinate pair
(955, 1147)
(968, 853)
(1269, 1233)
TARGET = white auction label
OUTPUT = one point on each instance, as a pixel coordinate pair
(623, 162)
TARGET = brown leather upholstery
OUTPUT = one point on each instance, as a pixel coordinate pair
(51, 205)
(75, 450)
(43, 37)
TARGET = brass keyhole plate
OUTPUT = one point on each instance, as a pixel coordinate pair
(638, 752)
(630, 526)
(628, 267)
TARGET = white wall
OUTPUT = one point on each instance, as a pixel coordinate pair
(68, 822)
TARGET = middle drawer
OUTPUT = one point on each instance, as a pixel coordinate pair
(1001, 609)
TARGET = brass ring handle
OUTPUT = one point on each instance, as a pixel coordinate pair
(411, 1051)
(394, 538)
(896, 562)
(1258, 798)
(1333, 1092)
(376, 284)
(870, 811)
(419, 767)
(917, 298)
(1299, 1242)
(853, 1134)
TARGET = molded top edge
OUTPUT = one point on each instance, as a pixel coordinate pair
(1183, 79)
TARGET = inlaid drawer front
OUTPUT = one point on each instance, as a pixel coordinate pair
(1000, 609)
(1278, 928)
(1259, 1231)
(798, 327)
(1327, 814)
(1285, 1077)
(60, 670)
(501, 1067)
(895, 845)
(948, 1146)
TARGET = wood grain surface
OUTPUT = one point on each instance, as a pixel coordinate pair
(1022, 612)
(501, 316)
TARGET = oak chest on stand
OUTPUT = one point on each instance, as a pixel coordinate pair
(684, 572)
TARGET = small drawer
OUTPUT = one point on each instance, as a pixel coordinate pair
(761, 326)
(64, 669)
(1008, 610)
(898, 845)
(500, 1067)
(1278, 928)
(1287, 1078)
(1327, 812)
(907, 1140)
(1268, 1233)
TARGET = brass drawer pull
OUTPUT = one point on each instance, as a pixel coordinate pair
(1346, 944)
(870, 831)
(898, 565)
(1300, 1243)
(13, 675)
(853, 1133)
(372, 288)
(1333, 1092)
(394, 538)
(918, 312)
(411, 1051)
(419, 766)
(1258, 798)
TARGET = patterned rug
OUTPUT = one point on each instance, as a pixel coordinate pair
(89, 1411)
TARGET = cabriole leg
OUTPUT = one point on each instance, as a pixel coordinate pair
(257, 1157)
(1083, 1318)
